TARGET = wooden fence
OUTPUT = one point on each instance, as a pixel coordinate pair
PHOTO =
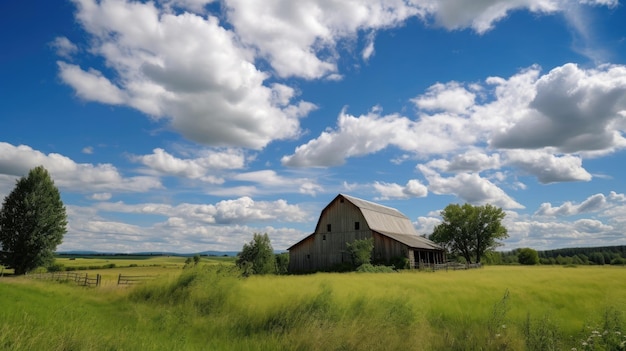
(82, 279)
(133, 279)
(448, 266)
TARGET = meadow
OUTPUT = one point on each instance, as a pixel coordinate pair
(210, 307)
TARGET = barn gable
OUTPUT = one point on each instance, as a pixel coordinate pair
(346, 219)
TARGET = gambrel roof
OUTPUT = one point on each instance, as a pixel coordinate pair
(386, 221)
(391, 223)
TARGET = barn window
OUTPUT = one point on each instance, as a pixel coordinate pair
(308, 257)
(328, 227)
(324, 237)
(341, 200)
(357, 225)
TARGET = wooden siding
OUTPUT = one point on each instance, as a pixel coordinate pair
(325, 248)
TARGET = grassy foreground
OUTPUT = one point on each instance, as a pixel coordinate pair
(211, 308)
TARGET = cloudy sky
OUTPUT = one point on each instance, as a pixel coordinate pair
(189, 125)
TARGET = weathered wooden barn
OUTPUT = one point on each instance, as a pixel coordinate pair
(346, 219)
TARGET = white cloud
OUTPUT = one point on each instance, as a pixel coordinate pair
(91, 85)
(469, 187)
(64, 47)
(471, 161)
(413, 188)
(185, 68)
(426, 225)
(548, 168)
(101, 196)
(482, 15)
(573, 110)
(270, 180)
(300, 38)
(367, 134)
(69, 175)
(450, 97)
(241, 210)
(87, 150)
(594, 203)
(201, 167)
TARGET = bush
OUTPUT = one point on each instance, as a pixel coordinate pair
(56, 267)
(400, 262)
(361, 251)
(618, 261)
(528, 257)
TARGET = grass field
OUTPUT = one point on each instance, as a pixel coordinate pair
(211, 308)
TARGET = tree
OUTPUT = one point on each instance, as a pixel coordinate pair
(32, 222)
(257, 257)
(360, 251)
(528, 256)
(470, 231)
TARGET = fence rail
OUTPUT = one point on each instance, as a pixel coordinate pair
(133, 279)
(81, 279)
(448, 266)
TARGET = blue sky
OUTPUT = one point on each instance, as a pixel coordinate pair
(189, 125)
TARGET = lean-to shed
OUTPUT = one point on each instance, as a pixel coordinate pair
(346, 219)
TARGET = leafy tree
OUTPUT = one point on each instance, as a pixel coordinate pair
(361, 251)
(470, 231)
(32, 222)
(528, 257)
(282, 263)
(257, 257)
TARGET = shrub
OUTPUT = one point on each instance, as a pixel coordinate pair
(361, 251)
(56, 267)
(528, 256)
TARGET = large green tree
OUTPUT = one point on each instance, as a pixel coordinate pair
(257, 256)
(32, 222)
(470, 231)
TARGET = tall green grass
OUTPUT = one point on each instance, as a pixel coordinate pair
(211, 307)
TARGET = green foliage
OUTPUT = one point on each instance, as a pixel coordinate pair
(528, 256)
(282, 263)
(360, 251)
(542, 334)
(470, 231)
(32, 222)
(257, 257)
(400, 262)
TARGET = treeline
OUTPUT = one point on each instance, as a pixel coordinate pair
(614, 255)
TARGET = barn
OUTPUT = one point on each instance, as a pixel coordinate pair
(346, 219)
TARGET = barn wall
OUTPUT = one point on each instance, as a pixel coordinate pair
(328, 248)
(386, 248)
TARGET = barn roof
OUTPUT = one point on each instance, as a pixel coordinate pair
(391, 223)
(386, 221)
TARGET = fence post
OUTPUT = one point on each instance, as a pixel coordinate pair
(119, 277)
(98, 280)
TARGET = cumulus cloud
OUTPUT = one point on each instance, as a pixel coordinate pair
(451, 97)
(594, 203)
(64, 47)
(271, 180)
(573, 110)
(67, 174)
(293, 36)
(201, 167)
(548, 168)
(413, 188)
(241, 210)
(185, 68)
(471, 161)
(469, 187)
(367, 134)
